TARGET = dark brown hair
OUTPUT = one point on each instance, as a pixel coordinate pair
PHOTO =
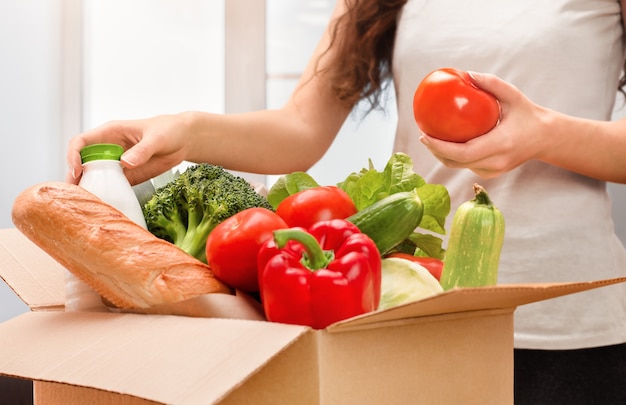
(362, 42)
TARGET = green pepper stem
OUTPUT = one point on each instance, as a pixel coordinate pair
(315, 258)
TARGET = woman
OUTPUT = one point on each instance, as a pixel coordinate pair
(545, 164)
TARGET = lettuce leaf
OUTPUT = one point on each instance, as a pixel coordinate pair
(369, 185)
(289, 184)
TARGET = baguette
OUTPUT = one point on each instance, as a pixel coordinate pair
(126, 264)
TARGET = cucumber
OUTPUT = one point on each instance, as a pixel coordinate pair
(389, 221)
(475, 243)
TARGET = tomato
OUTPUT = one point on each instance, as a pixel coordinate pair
(233, 245)
(316, 204)
(448, 106)
(432, 264)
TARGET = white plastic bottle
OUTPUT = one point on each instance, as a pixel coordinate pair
(104, 177)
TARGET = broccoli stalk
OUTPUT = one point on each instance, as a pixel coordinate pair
(200, 222)
(187, 209)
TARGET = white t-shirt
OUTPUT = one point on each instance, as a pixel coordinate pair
(563, 54)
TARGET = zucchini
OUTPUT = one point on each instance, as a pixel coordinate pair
(389, 221)
(475, 243)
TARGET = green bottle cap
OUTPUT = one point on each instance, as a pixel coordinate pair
(101, 151)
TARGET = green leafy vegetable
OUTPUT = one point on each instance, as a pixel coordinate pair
(436, 202)
(185, 210)
(404, 281)
(422, 245)
(369, 185)
(289, 184)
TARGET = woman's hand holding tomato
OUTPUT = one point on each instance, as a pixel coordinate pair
(516, 139)
(447, 105)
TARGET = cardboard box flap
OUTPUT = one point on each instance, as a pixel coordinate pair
(474, 299)
(178, 363)
(36, 278)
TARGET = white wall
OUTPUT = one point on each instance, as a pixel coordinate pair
(30, 97)
(149, 57)
(30, 112)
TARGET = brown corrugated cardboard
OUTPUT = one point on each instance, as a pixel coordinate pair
(166, 358)
(456, 347)
(22, 270)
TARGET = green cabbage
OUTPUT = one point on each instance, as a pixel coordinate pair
(405, 281)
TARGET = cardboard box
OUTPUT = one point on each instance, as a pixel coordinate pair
(454, 348)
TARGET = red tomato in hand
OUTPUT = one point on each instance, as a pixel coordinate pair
(432, 264)
(233, 245)
(316, 204)
(448, 106)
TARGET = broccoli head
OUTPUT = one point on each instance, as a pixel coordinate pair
(185, 210)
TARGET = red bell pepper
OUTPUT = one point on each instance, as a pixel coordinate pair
(319, 277)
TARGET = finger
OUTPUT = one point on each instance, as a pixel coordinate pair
(475, 155)
(499, 88)
(71, 177)
(109, 132)
(450, 151)
(74, 162)
(140, 153)
(486, 173)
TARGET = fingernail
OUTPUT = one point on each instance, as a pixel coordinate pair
(128, 158)
(73, 171)
(474, 75)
